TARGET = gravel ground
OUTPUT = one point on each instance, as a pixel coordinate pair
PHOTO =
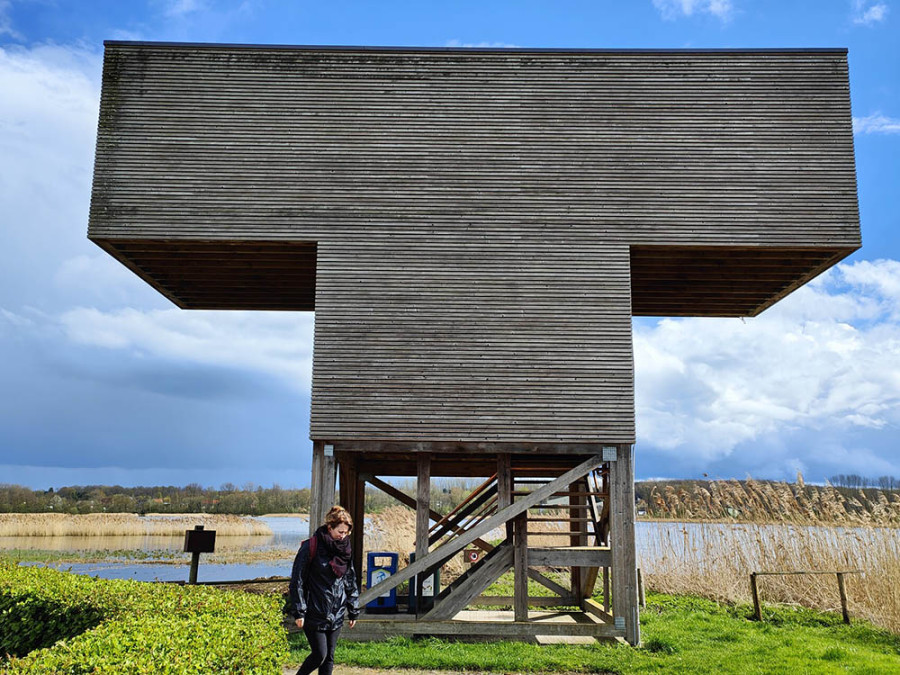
(353, 670)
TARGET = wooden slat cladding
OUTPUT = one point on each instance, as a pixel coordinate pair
(474, 225)
(503, 341)
(751, 148)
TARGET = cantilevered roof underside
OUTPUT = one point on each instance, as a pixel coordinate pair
(665, 281)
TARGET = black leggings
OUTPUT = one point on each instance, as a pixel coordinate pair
(322, 644)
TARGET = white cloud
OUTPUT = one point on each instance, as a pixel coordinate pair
(674, 9)
(876, 124)
(48, 123)
(274, 343)
(177, 8)
(867, 13)
(827, 359)
(479, 45)
(6, 27)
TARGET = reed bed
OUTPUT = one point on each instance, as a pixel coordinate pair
(768, 501)
(124, 524)
(715, 561)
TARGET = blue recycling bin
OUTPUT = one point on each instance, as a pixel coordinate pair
(379, 566)
(431, 586)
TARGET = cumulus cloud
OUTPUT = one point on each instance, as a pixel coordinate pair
(479, 45)
(826, 359)
(867, 13)
(6, 25)
(876, 123)
(274, 343)
(674, 9)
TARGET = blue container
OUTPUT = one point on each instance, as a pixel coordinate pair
(431, 586)
(379, 566)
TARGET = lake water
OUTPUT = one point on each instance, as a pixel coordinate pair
(274, 553)
(174, 564)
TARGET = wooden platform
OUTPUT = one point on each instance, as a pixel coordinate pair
(542, 626)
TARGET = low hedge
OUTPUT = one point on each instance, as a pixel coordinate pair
(54, 622)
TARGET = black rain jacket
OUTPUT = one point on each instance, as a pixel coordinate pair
(318, 596)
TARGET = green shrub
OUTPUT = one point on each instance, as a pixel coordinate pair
(55, 622)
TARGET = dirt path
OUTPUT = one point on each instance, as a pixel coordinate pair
(354, 670)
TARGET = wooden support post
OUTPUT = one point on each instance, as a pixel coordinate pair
(505, 488)
(754, 591)
(423, 512)
(576, 502)
(843, 591)
(606, 602)
(624, 569)
(321, 497)
(353, 499)
(520, 565)
(642, 599)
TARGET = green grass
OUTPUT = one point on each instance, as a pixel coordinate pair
(681, 634)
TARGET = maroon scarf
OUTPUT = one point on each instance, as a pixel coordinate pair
(337, 551)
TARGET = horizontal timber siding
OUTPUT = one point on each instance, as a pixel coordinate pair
(507, 341)
(468, 221)
(690, 148)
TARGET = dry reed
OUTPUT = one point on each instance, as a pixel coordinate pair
(124, 524)
(771, 502)
(715, 561)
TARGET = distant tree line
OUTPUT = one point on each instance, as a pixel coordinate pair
(857, 482)
(228, 499)
(853, 503)
(250, 499)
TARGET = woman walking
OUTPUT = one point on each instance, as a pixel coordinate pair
(323, 589)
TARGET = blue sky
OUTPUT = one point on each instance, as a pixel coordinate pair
(103, 381)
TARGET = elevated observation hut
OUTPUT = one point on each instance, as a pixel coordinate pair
(474, 229)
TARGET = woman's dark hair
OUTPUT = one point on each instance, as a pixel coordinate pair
(338, 515)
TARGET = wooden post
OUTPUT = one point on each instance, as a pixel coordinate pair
(353, 499)
(843, 592)
(520, 566)
(606, 602)
(624, 568)
(754, 591)
(321, 496)
(423, 513)
(195, 562)
(505, 488)
(576, 574)
(642, 599)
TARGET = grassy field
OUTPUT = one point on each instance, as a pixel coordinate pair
(682, 634)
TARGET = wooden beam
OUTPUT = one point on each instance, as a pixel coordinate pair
(573, 556)
(593, 607)
(548, 583)
(371, 629)
(520, 562)
(533, 601)
(443, 553)
(475, 583)
(624, 567)
(505, 487)
(322, 486)
(423, 511)
(406, 500)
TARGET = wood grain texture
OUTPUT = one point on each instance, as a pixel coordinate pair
(474, 228)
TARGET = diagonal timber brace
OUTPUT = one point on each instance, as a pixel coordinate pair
(447, 550)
